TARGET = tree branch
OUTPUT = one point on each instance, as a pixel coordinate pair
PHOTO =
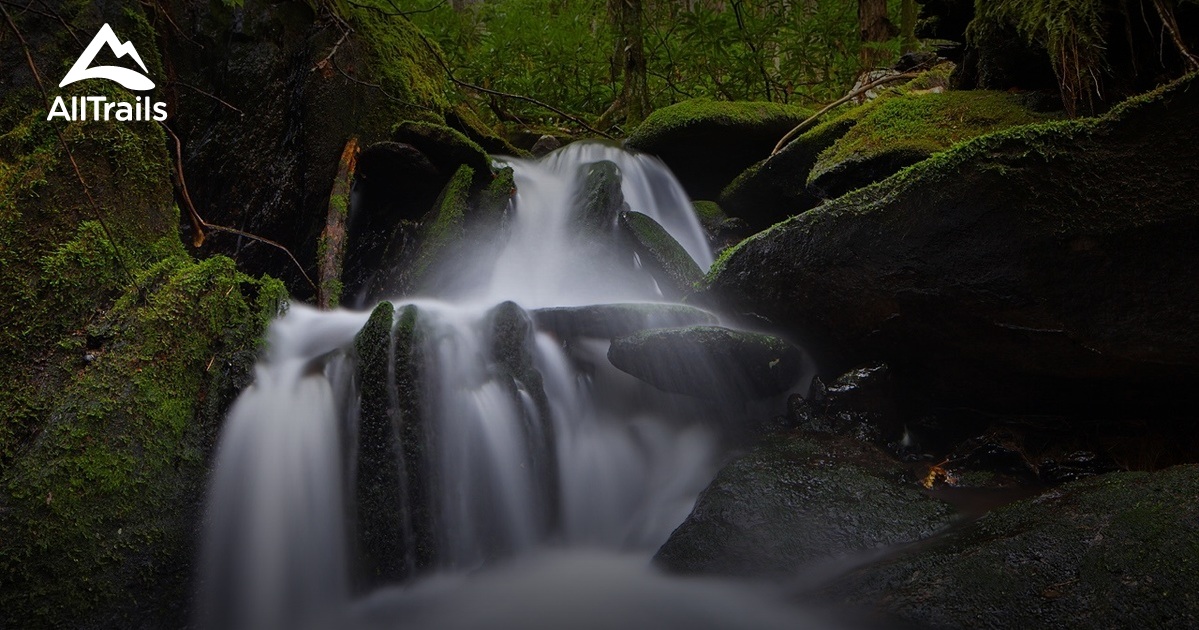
(844, 99)
(198, 222)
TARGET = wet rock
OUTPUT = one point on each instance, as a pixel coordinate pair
(708, 362)
(860, 403)
(512, 353)
(1097, 308)
(395, 184)
(415, 436)
(670, 265)
(707, 143)
(265, 161)
(723, 231)
(545, 145)
(446, 148)
(797, 500)
(599, 197)
(605, 321)
(1114, 551)
(379, 490)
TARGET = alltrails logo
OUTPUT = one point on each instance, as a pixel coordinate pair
(99, 107)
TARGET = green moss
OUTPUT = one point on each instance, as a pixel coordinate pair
(599, 197)
(708, 213)
(681, 116)
(444, 226)
(100, 504)
(920, 125)
(446, 148)
(408, 66)
(671, 266)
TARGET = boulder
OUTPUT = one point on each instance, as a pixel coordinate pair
(1114, 551)
(1037, 268)
(907, 129)
(672, 268)
(707, 143)
(606, 321)
(723, 232)
(545, 145)
(599, 197)
(448, 149)
(860, 403)
(379, 483)
(708, 362)
(777, 187)
(798, 500)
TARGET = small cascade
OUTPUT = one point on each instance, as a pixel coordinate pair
(477, 422)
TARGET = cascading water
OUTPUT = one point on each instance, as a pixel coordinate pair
(517, 440)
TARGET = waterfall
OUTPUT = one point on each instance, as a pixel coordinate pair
(502, 437)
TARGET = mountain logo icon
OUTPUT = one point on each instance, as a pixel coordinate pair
(130, 79)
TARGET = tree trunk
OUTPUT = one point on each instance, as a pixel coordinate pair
(907, 25)
(629, 58)
(875, 27)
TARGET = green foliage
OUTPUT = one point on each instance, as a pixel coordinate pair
(561, 52)
(1072, 31)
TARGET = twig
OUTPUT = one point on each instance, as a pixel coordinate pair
(398, 12)
(198, 222)
(47, 13)
(211, 96)
(844, 99)
(324, 63)
(381, 89)
(116, 251)
(1171, 23)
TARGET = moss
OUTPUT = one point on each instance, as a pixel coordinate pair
(124, 355)
(101, 503)
(599, 197)
(407, 65)
(708, 213)
(671, 266)
(444, 226)
(701, 112)
(906, 129)
(446, 148)
(1116, 550)
(491, 203)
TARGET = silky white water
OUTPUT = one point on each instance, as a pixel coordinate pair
(558, 481)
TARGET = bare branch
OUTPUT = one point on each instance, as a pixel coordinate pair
(844, 99)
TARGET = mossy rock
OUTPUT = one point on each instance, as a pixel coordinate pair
(796, 501)
(379, 485)
(672, 268)
(1045, 259)
(599, 198)
(1118, 550)
(901, 131)
(265, 163)
(606, 321)
(511, 343)
(708, 362)
(777, 187)
(707, 143)
(102, 507)
(446, 148)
